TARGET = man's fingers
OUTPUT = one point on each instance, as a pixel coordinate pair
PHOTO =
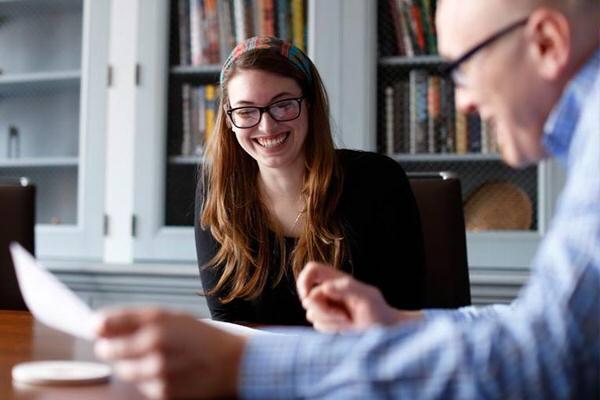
(340, 289)
(155, 365)
(313, 274)
(109, 323)
(322, 312)
(325, 315)
(327, 327)
(141, 342)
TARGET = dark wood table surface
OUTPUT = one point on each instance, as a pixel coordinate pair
(23, 339)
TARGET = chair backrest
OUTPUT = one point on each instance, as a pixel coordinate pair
(439, 199)
(17, 219)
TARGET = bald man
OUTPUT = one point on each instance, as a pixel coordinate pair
(533, 69)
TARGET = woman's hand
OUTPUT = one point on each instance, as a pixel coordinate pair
(335, 301)
(168, 354)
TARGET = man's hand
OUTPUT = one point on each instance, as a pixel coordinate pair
(335, 301)
(168, 354)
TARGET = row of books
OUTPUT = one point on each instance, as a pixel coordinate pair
(209, 29)
(421, 118)
(414, 28)
(199, 110)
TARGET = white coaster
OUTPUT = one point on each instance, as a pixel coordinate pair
(60, 373)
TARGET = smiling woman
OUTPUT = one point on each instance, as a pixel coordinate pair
(275, 194)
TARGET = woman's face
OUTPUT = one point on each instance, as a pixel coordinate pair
(273, 144)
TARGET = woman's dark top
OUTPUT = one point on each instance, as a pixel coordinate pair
(381, 223)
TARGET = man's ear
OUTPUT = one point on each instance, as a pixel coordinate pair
(549, 34)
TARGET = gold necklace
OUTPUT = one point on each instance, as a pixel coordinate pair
(297, 219)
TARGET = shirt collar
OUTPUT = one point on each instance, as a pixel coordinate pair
(562, 122)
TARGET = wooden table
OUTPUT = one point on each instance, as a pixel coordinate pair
(23, 339)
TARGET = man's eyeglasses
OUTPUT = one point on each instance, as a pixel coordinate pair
(281, 111)
(453, 68)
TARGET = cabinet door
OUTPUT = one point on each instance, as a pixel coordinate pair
(506, 210)
(182, 44)
(52, 99)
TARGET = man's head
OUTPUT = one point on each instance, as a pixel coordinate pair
(517, 79)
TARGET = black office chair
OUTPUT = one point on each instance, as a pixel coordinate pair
(439, 199)
(17, 220)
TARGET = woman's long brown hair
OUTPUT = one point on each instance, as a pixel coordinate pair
(232, 208)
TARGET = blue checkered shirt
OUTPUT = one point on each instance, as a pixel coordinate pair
(544, 345)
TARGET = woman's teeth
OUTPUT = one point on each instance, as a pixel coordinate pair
(272, 141)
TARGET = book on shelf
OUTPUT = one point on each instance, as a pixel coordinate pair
(199, 108)
(418, 111)
(284, 21)
(243, 19)
(401, 46)
(226, 29)
(212, 48)
(196, 12)
(267, 23)
(184, 32)
(428, 15)
(389, 120)
(298, 24)
(209, 29)
(474, 133)
(447, 127)
(420, 117)
(414, 28)
(401, 117)
(418, 26)
(186, 126)
(433, 113)
(462, 138)
(199, 120)
(210, 105)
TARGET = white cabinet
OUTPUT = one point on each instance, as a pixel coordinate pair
(98, 151)
(343, 42)
(163, 179)
(418, 125)
(52, 99)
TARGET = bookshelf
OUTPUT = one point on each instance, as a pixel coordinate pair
(179, 79)
(201, 36)
(49, 86)
(417, 125)
(345, 39)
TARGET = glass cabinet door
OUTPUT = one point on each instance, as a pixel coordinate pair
(51, 116)
(419, 125)
(192, 38)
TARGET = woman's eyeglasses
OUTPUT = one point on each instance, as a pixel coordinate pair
(281, 111)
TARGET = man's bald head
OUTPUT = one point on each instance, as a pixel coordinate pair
(463, 23)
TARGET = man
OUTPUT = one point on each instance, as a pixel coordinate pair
(537, 77)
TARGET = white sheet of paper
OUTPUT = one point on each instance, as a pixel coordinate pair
(233, 328)
(48, 299)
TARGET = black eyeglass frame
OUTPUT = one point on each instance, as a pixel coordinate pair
(450, 67)
(266, 109)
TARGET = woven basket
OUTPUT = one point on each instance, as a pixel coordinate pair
(498, 206)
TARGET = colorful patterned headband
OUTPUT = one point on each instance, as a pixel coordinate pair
(286, 49)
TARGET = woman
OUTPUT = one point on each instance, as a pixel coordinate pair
(275, 194)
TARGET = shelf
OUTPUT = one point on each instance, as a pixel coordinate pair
(192, 70)
(11, 7)
(410, 61)
(445, 157)
(185, 160)
(10, 83)
(39, 162)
